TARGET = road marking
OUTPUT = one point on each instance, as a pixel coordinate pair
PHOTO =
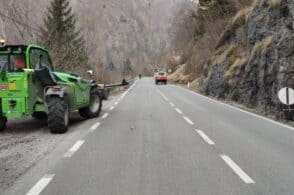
(205, 137)
(111, 108)
(178, 110)
(94, 127)
(238, 109)
(74, 148)
(40, 185)
(163, 96)
(188, 120)
(123, 95)
(237, 169)
(116, 103)
(166, 99)
(172, 104)
(105, 116)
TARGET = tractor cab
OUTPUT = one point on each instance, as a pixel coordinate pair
(20, 92)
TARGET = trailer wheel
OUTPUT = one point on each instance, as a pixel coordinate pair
(95, 105)
(3, 121)
(58, 115)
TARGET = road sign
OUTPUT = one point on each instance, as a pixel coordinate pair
(286, 96)
(111, 67)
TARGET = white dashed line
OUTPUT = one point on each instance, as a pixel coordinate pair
(205, 137)
(172, 104)
(237, 169)
(94, 127)
(105, 116)
(111, 108)
(41, 185)
(188, 120)
(74, 148)
(116, 103)
(166, 99)
(178, 111)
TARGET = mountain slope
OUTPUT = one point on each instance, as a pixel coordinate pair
(255, 56)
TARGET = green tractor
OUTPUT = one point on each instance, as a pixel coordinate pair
(30, 86)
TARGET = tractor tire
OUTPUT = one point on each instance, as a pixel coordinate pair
(94, 109)
(3, 121)
(39, 115)
(58, 115)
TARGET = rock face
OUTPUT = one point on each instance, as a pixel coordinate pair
(255, 56)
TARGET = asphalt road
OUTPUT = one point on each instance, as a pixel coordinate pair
(164, 140)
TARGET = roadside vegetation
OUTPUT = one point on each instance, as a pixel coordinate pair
(236, 50)
(196, 35)
(60, 33)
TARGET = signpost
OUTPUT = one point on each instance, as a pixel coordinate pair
(111, 67)
(286, 96)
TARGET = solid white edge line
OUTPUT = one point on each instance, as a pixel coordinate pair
(40, 185)
(74, 148)
(188, 120)
(178, 111)
(105, 115)
(94, 126)
(205, 137)
(237, 169)
(239, 109)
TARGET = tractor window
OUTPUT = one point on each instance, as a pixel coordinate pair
(35, 58)
(3, 60)
(13, 62)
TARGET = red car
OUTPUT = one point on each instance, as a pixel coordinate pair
(160, 77)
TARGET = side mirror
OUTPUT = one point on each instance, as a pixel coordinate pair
(90, 72)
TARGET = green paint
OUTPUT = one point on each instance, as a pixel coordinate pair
(21, 93)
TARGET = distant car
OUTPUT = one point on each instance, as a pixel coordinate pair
(160, 77)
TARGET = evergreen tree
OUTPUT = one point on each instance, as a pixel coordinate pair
(60, 35)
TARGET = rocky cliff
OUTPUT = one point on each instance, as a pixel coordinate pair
(255, 56)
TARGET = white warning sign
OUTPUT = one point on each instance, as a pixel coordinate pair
(286, 96)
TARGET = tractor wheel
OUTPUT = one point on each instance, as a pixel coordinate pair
(39, 115)
(3, 121)
(94, 108)
(58, 115)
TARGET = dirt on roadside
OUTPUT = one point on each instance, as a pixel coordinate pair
(23, 144)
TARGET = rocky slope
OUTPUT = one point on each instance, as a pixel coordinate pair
(255, 56)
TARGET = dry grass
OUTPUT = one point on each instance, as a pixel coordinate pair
(180, 75)
(236, 61)
(240, 19)
(262, 46)
(274, 3)
(223, 54)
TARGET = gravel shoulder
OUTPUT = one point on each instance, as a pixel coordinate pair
(26, 141)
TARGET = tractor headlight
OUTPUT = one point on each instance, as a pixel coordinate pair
(2, 42)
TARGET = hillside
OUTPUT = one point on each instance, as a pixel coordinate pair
(255, 56)
(249, 61)
(114, 30)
